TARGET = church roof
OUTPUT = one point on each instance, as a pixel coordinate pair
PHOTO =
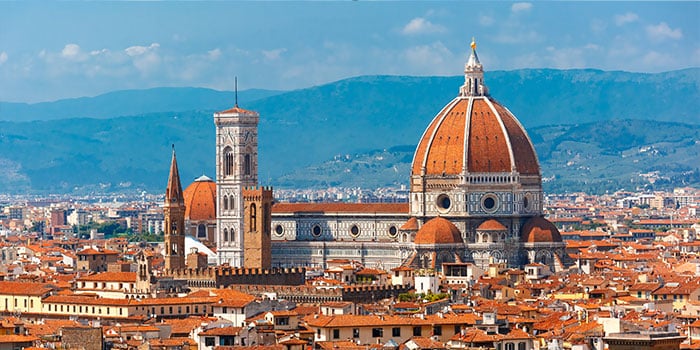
(491, 225)
(438, 231)
(539, 230)
(200, 200)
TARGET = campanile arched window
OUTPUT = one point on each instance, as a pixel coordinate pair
(246, 164)
(228, 161)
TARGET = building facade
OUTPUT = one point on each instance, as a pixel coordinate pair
(475, 196)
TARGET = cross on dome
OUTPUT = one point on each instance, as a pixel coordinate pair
(473, 76)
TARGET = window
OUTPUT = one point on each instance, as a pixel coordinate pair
(224, 310)
(377, 332)
(437, 330)
(522, 346)
(336, 333)
(202, 231)
(228, 161)
(316, 230)
(253, 217)
(355, 332)
(354, 231)
(208, 341)
(246, 164)
(225, 238)
(396, 332)
(458, 329)
(225, 202)
(417, 331)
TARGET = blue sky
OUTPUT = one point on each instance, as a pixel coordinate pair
(52, 50)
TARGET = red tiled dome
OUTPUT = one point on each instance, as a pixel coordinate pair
(200, 200)
(410, 225)
(491, 225)
(539, 230)
(476, 134)
(438, 231)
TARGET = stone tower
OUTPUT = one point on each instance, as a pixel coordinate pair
(236, 169)
(174, 220)
(258, 226)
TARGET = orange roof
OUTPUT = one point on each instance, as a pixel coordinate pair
(496, 142)
(200, 200)
(538, 229)
(335, 207)
(410, 225)
(109, 277)
(23, 288)
(491, 225)
(438, 231)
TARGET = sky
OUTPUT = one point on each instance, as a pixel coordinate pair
(55, 50)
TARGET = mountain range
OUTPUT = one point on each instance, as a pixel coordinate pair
(593, 130)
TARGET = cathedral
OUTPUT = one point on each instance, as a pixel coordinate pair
(475, 197)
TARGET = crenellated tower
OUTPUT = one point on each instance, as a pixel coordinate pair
(174, 217)
(236, 169)
(257, 239)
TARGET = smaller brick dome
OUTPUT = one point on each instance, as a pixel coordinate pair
(410, 225)
(438, 231)
(200, 200)
(539, 230)
(491, 225)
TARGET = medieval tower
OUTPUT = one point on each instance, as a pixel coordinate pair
(236, 169)
(257, 228)
(174, 217)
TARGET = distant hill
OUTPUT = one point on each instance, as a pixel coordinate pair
(300, 130)
(592, 157)
(129, 102)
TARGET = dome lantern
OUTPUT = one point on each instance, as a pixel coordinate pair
(473, 76)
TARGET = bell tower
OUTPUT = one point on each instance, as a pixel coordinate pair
(258, 226)
(174, 217)
(236, 169)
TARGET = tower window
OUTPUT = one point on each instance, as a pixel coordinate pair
(225, 202)
(246, 164)
(253, 217)
(228, 161)
(225, 238)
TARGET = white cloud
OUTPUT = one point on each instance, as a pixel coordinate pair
(3, 57)
(421, 25)
(598, 26)
(140, 50)
(430, 59)
(214, 54)
(99, 52)
(662, 31)
(73, 52)
(271, 55)
(486, 21)
(657, 60)
(520, 7)
(628, 17)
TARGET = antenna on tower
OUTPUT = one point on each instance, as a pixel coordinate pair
(235, 89)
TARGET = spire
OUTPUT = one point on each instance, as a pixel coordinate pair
(473, 76)
(235, 88)
(173, 193)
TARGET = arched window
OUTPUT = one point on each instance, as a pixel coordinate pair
(225, 238)
(225, 202)
(232, 204)
(228, 161)
(253, 217)
(202, 231)
(246, 164)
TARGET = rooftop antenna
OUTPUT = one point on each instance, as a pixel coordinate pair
(235, 89)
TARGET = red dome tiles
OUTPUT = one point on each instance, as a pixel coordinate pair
(438, 231)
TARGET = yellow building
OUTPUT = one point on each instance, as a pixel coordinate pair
(21, 297)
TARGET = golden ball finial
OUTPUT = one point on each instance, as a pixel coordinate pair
(473, 44)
